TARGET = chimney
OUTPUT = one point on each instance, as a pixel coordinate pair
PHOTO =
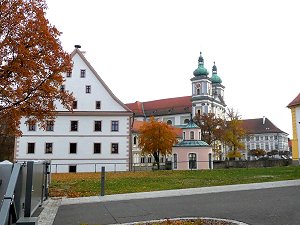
(264, 120)
(77, 46)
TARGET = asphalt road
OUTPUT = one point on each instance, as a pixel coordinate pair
(272, 206)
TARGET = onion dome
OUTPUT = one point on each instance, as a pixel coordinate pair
(215, 79)
(201, 70)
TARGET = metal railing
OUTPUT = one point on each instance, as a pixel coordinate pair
(25, 187)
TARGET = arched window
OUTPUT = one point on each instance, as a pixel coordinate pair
(186, 121)
(192, 135)
(198, 91)
(183, 135)
(169, 122)
(192, 161)
(134, 140)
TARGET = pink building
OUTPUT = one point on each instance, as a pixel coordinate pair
(191, 152)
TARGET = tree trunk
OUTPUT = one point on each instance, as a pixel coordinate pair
(156, 158)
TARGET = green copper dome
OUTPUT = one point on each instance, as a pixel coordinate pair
(201, 70)
(215, 79)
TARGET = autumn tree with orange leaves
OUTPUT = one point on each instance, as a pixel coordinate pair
(156, 138)
(32, 62)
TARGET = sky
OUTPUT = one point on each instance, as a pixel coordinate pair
(148, 49)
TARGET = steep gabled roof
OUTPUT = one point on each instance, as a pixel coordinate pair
(167, 106)
(77, 51)
(257, 126)
(295, 102)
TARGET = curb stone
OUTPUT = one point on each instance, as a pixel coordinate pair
(234, 222)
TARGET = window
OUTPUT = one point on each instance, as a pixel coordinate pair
(114, 125)
(97, 126)
(134, 140)
(183, 135)
(275, 137)
(114, 148)
(97, 148)
(74, 125)
(50, 125)
(267, 146)
(69, 74)
(62, 87)
(266, 138)
(98, 104)
(88, 89)
(74, 105)
(198, 91)
(169, 122)
(257, 138)
(149, 159)
(257, 146)
(192, 161)
(175, 161)
(143, 159)
(82, 73)
(192, 135)
(72, 168)
(48, 149)
(31, 126)
(186, 121)
(30, 148)
(73, 148)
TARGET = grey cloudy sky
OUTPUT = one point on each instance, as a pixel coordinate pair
(147, 50)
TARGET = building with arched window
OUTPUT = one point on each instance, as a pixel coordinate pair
(192, 153)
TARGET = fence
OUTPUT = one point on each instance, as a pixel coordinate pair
(252, 163)
(168, 165)
(23, 188)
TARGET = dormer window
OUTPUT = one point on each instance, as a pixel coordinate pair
(82, 73)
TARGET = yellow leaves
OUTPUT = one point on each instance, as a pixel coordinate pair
(156, 136)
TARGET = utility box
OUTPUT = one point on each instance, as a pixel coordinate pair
(5, 172)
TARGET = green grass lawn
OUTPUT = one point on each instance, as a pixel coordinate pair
(88, 184)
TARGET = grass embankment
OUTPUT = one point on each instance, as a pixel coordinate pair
(88, 184)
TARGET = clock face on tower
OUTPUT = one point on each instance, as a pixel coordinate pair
(197, 85)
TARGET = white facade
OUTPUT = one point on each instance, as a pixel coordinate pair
(95, 134)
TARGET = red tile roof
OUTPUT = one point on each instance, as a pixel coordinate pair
(137, 124)
(159, 107)
(256, 126)
(295, 102)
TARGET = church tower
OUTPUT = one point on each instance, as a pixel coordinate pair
(207, 93)
(218, 106)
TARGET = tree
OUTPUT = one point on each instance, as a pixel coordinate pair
(212, 129)
(257, 152)
(32, 62)
(234, 132)
(156, 138)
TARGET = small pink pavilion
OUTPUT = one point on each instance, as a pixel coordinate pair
(192, 153)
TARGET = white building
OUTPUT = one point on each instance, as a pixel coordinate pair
(97, 133)
(261, 133)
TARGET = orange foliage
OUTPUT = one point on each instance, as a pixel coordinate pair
(31, 65)
(156, 138)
